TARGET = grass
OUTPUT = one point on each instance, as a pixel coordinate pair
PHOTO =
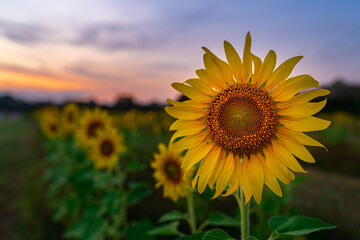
(22, 203)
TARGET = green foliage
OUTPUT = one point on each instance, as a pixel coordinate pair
(172, 216)
(166, 229)
(196, 236)
(217, 234)
(139, 230)
(296, 226)
(221, 219)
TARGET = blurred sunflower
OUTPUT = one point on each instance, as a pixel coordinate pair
(69, 117)
(245, 124)
(169, 174)
(105, 149)
(91, 122)
(49, 122)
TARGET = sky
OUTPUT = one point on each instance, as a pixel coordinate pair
(102, 49)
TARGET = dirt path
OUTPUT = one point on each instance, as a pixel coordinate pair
(20, 155)
(331, 197)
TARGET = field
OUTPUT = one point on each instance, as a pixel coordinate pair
(35, 205)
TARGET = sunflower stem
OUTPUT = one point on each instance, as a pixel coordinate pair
(191, 212)
(245, 213)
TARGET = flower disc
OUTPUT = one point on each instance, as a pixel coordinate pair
(242, 119)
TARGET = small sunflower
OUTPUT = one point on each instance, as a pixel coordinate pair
(245, 124)
(69, 117)
(49, 122)
(169, 174)
(106, 148)
(90, 124)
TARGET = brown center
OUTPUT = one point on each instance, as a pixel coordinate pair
(172, 170)
(93, 127)
(70, 117)
(242, 119)
(107, 147)
(53, 127)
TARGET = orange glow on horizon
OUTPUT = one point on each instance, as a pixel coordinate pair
(10, 80)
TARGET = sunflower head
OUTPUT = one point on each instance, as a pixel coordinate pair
(49, 122)
(91, 123)
(169, 174)
(69, 117)
(244, 121)
(106, 148)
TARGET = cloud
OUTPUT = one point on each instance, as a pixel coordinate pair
(109, 36)
(24, 33)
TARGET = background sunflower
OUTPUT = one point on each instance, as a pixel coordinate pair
(169, 174)
(90, 124)
(106, 148)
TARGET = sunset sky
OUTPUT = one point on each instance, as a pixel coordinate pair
(102, 49)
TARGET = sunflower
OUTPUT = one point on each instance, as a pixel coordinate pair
(90, 124)
(69, 117)
(106, 148)
(245, 124)
(169, 174)
(49, 122)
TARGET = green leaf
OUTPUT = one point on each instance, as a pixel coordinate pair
(197, 236)
(221, 219)
(276, 222)
(251, 238)
(217, 234)
(171, 216)
(300, 225)
(135, 166)
(136, 196)
(166, 229)
(60, 212)
(138, 231)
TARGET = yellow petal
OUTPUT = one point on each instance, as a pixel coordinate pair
(189, 141)
(306, 124)
(267, 67)
(269, 178)
(191, 92)
(257, 66)
(213, 72)
(185, 113)
(294, 146)
(286, 157)
(194, 155)
(277, 168)
(306, 140)
(224, 175)
(207, 167)
(201, 86)
(304, 97)
(162, 148)
(218, 168)
(182, 124)
(234, 60)
(246, 183)
(292, 86)
(257, 177)
(282, 72)
(188, 103)
(195, 129)
(234, 182)
(302, 110)
(247, 61)
(223, 67)
(203, 75)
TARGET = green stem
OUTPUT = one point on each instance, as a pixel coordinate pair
(245, 213)
(191, 212)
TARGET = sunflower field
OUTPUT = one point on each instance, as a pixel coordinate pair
(221, 163)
